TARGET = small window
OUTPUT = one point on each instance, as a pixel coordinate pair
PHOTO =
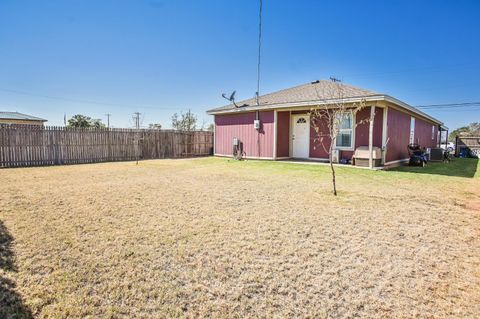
(344, 137)
(433, 132)
(301, 120)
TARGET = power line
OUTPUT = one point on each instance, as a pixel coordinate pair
(82, 101)
(450, 105)
(455, 110)
(458, 107)
(426, 69)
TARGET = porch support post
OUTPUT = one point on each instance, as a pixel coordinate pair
(275, 134)
(446, 142)
(439, 136)
(370, 136)
(384, 135)
(214, 135)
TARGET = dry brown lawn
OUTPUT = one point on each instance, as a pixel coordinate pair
(218, 238)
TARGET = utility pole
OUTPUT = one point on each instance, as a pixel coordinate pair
(136, 119)
(257, 94)
(108, 119)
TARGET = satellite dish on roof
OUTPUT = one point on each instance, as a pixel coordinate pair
(231, 98)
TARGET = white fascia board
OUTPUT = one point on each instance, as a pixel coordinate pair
(297, 104)
(371, 98)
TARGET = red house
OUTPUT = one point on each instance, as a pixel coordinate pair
(278, 126)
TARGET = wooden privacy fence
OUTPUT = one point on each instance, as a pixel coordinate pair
(468, 146)
(34, 146)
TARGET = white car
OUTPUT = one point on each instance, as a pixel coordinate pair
(450, 146)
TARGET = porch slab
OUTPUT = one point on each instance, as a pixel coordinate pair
(326, 163)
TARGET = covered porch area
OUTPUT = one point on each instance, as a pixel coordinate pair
(296, 139)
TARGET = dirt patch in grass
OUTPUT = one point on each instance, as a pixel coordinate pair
(211, 237)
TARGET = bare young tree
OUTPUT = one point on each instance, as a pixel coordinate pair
(184, 122)
(330, 116)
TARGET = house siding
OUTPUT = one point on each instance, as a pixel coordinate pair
(320, 149)
(423, 133)
(229, 126)
(283, 134)
(255, 143)
(399, 135)
(398, 123)
(363, 127)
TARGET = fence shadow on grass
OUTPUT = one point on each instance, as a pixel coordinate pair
(11, 304)
(459, 167)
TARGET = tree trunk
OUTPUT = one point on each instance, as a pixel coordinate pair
(334, 184)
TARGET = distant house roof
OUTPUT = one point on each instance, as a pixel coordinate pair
(19, 116)
(312, 93)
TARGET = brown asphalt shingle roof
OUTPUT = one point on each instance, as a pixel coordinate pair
(312, 91)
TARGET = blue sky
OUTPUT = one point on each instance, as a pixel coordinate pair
(159, 57)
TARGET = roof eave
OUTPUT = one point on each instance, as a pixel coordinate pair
(370, 98)
(296, 104)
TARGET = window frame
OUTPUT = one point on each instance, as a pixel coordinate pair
(352, 130)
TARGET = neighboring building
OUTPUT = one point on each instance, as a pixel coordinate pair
(467, 145)
(20, 119)
(285, 129)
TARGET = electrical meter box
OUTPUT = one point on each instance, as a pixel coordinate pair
(235, 141)
(256, 124)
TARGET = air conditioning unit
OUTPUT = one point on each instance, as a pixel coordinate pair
(256, 124)
(335, 156)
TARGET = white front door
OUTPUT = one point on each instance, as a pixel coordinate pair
(301, 136)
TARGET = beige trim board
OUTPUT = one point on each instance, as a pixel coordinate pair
(247, 157)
